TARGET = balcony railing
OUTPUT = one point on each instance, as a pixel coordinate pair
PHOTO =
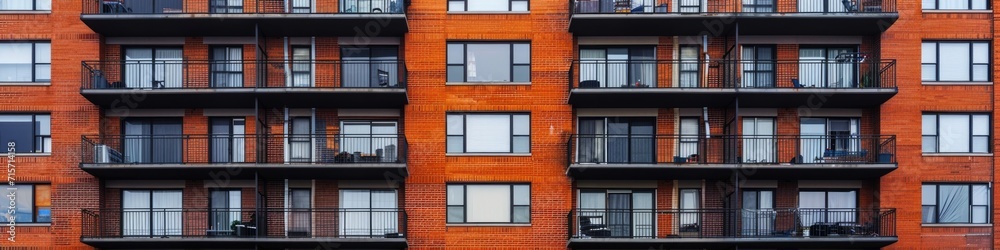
(203, 74)
(730, 6)
(138, 223)
(732, 149)
(732, 223)
(243, 148)
(240, 7)
(848, 73)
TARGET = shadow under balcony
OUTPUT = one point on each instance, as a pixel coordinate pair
(731, 228)
(721, 17)
(280, 156)
(771, 157)
(161, 18)
(121, 85)
(213, 228)
(844, 83)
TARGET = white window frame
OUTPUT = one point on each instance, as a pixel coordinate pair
(458, 131)
(929, 132)
(458, 200)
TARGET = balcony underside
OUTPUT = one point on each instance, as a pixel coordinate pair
(246, 243)
(680, 24)
(729, 243)
(187, 25)
(668, 171)
(749, 98)
(246, 97)
(247, 171)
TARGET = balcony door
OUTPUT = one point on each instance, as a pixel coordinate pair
(227, 67)
(154, 6)
(688, 145)
(758, 65)
(690, 213)
(616, 140)
(300, 139)
(370, 67)
(758, 5)
(828, 67)
(758, 213)
(827, 206)
(152, 213)
(301, 66)
(368, 212)
(828, 6)
(616, 67)
(299, 212)
(820, 135)
(378, 139)
(626, 213)
(759, 142)
(147, 67)
(225, 206)
(690, 73)
(152, 140)
(228, 140)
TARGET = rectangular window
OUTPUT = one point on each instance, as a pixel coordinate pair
(31, 133)
(226, 6)
(25, 61)
(489, 62)
(227, 66)
(486, 203)
(955, 61)
(624, 213)
(955, 5)
(225, 205)
(828, 206)
(368, 212)
(955, 203)
(618, 67)
(31, 203)
(955, 133)
(489, 133)
(487, 5)
(302, 66)
(25, 5)
(152, 213)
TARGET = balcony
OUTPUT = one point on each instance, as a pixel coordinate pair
(378, 228)
(721, 17)
(243, 156)
(769, 157)
(729, 228)
(245, 84)
(161, 18)
(843, 83)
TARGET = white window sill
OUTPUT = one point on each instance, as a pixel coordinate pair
(956, 225)
(486, 83)
(488, 154)
(957, 83)
(956, 154)
(25, 83)
(488, 225)
(958, 11)
(31, 154)
(29, 224)
(488, 12)
(25, 12)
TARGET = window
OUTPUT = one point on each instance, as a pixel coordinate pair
(690, 66)
(227, 66)
(622, 140)
(25, 61)
(489, 133)
(151, 212)
(228, 144)
(487, 5)
(226, 6)
(622, 212)
(758, 66)
(955, 203)
(225, 210)
(301, 6)
(301, 66)
(370, 67)
(154, 67)
(616, 67)
(758, 6)
(955, 61)
(378, 138)
(25, 5)
(955, 133)
(152, 140)
(31, 133)
(32, 203)
(688, 145)
(368, 212)
(486, 203)
(489, 62)
(300, 212)
(955, 5)
(828, 206)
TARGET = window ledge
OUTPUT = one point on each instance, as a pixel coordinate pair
(25, 83)
(956, 225)
(957, 83)
(25, 12)
(958, 11)
(956, 154)
(486, 83)
(30, 224)
(488, 12)
(488, 154)
(488, 225)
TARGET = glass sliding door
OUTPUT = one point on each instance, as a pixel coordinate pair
(226, 6)
(366, 213)
(591, 141)
(156, 140)
(300, 139)
(688, 145)
(758, 213)
(820, 6)
(758, 66)
(151, 213)
(227, 142)
(616, 140)
(822, 136)
(227, 67)
(153, 68)
(225, 211)
(828, 206)
(299, 212)
(302, 66)
(758, 5)
(759, 142)
(370, 67)
(828, 67)
(625, 213)
(690, 205)
(690, 75)
(615, 67)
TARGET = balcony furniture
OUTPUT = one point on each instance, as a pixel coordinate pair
(844, 156)
(679, 159)
(693, 158)
(849, 5)
(591, 226)
(795, 83)
(590, 84)
(873, 6)
(623, 6)
(383, 76)
(821, 229)
(884, 158)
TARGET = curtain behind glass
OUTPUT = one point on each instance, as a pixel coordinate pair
(593, 66)
(300, 219)
(814, 142)
(689, 68)
(811, 73)
(643, 216)
(355, 213)
(758, 140)
(643, 141)
(225, 209)
(689, 205)
(954, 133)
(642, 67)
(167, 143)
(617, 67)
(955, 61)
(16, 63)
(842, 206)
(841, 73)
(591, 140)
(301, 67)
(136, 213)
(137, 141)
(592, 208)
(227, 67)
(300, 140)
(138, 68)
(689, 137)
(954, 206)
(620, 214)
(16, 4)
(167, 68)
(167, 217)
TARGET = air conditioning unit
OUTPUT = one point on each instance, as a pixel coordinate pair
(106, 154)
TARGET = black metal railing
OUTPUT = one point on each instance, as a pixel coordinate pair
(731, 149)
(244, 223)
(732, 223)
(118, 7)
(797, 74)
(730, 6)
(243, 148)
(223, 74)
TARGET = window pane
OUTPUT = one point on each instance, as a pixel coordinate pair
(928, 72)
(954, 207)
(929, 144)
(456, 125)
(17, 129)
(980, 195)
(522, 195)
(980, 53)
(522, 73)
(43, 72)
(43, 4)
(488, 133)
(456, 144)
(456, 214)
(23, 195)
(488, 5)
(953, 4)
(954, 131)
(519, 6)
(927, 214)
(485, 203)
(522, 53)
(456, 52)
(980, 214)
(954, 61)
(43, 124)
(980, 73)
(928, 195)
(521, 125)
(979, 4)
(456, 74)
(980, 125)
(522, 214)
(42, 54)
(522, 144)
(929, 4)
(928, 124)
(928, 53)
(488, 63)
(456, 195)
